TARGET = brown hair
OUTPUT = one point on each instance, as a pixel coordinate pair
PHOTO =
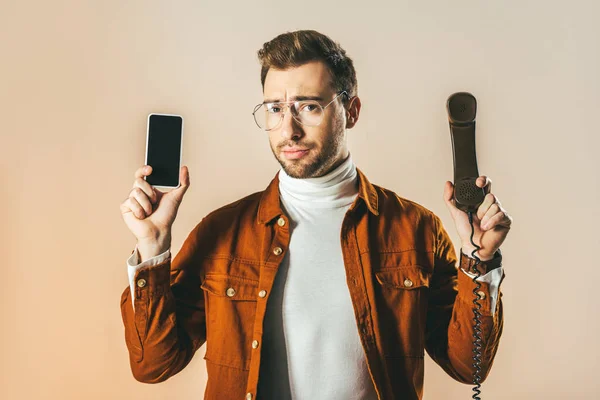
(292, 49)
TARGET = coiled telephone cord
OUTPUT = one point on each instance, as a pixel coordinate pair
(477, 322)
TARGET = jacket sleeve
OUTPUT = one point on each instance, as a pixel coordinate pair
(449, 328)
(168, 324)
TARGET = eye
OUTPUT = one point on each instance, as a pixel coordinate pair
(309, 107)
(273, 108)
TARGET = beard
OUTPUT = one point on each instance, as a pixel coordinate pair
(317, 162)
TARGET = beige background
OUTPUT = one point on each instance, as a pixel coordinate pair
(78, 78)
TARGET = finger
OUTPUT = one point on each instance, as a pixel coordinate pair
(146, 187)
(484, 182)
(143, 171)
(131, 205)
(142, 199)
(500, 218)
(483, 208)
(491, 212)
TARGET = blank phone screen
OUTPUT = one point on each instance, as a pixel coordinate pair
(163, 149)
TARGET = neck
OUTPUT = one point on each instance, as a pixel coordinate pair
(337, 188)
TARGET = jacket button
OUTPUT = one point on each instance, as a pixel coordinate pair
(141, 282)
(408, 282)
(230, 292)
(281, 221)
(248, 396)
(254, 344)
(481, 294)
(262, 293)
(277, 251)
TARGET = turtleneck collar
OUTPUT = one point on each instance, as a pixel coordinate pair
(338, 188)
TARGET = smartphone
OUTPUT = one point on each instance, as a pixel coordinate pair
(164, 144)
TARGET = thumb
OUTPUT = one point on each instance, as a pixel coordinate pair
(184, 179)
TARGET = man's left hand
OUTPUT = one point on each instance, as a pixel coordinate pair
(491, 222)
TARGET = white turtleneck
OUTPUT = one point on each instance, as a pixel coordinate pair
(311, 348)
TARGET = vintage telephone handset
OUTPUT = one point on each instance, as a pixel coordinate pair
(462, 107)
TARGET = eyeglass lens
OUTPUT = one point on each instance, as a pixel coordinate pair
(308, 112)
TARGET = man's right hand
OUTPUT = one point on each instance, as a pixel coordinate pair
(150, 213)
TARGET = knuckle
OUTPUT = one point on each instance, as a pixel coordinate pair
(135, 208)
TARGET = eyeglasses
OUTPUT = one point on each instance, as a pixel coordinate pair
(268, 116)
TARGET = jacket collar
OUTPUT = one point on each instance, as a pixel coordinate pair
(269, 206)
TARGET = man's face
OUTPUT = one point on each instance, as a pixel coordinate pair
(324, 146)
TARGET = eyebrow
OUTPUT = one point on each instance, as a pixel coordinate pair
(294, 98)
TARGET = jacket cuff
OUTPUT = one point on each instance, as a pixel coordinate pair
(488, 292)
(152, 280)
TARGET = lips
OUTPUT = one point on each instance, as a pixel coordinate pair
(295, 153)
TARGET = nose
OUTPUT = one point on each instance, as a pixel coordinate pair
(290, 128)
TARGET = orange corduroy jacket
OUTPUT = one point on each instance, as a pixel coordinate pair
(407, 293)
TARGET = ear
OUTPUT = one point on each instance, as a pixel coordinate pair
(352, 112)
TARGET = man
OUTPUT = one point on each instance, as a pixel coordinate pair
(322, 286)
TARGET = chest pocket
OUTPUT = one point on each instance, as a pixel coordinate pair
(230, 307)
(410, 277)
(401, 296)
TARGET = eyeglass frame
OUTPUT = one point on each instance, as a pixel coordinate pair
(257, 107)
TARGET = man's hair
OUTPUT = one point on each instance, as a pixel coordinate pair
(293, 49)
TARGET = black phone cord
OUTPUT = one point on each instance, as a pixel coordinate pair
(477, 322)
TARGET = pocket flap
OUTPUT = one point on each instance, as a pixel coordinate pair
(408, 277)
(232, 287)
